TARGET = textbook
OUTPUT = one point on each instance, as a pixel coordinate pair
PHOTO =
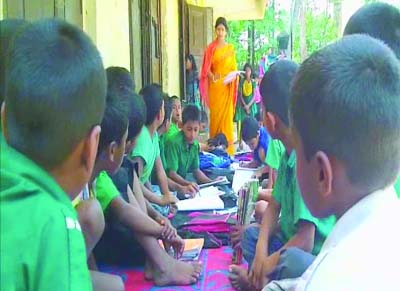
(193, 247)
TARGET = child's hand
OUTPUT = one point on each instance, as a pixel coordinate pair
(219, 178)
(189, 189)
(168, 231)
(237, 234)
(179, 246)
(257, 275)
(168, 199)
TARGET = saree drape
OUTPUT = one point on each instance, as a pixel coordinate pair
(220, 98)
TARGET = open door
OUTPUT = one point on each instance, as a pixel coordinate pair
(197, 28)
(69, 10)
(151, 41)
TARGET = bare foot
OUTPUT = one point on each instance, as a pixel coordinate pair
(148, 270)
(239, 278)
(178, 273)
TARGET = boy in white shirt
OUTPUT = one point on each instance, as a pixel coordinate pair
(346, 122)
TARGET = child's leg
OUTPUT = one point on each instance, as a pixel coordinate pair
(293, 262)
(91, 219)
(106, 282)
(249, 242)
(167, 270)
(259, 211)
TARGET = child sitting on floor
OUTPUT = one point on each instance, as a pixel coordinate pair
(286, 222)
(54, 103)
(176, 116)
(133, 226)
(257, 138)
(381, 21)
(345, 174)
(147, 154)
(182, 150)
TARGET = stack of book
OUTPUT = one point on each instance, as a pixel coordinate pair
(247, 198)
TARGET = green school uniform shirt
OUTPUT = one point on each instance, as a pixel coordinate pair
(41, 242)
(173, 129)
(105, 190)
(293, 209)
(275, 151)
(148, 148)
(180, 157)
(397, 187)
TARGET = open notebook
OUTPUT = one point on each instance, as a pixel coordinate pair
(207, 199)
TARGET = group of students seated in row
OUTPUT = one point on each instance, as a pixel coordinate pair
(331, 139)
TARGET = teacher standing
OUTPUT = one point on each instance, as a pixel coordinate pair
(219, 61)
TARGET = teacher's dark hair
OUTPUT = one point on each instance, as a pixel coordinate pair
(222, 20)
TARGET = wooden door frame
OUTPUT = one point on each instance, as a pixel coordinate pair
(183, 44)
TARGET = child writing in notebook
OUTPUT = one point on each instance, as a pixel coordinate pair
(182, 150)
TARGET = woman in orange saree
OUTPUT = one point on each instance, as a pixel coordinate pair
(219, 61)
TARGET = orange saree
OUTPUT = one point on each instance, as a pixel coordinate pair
(220, 98)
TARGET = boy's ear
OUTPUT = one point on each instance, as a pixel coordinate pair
(325, 174)
(89, 153)
(111, 150)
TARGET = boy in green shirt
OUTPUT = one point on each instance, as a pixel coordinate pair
(182, 150)
(146, 153)
(54, 102)
(297, 226)
(133, 225)
(176, 116)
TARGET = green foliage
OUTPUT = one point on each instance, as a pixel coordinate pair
(265, 32)
(320, 31)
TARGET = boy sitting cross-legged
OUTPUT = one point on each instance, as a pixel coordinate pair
(182, 150)
(54, 103)
(286, 222)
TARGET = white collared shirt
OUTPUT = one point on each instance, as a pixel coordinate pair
(363, 251)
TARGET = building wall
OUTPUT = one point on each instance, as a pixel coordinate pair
(1, 9)
(107, 23)
(171, 70)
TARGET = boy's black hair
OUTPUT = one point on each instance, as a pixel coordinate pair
(174, 97)
(55, 93)
(250, 128)
(346, 103)
(275, 88)
(153, 98)
(190, 113)
(203, 117)
(8, 29)
(218, 140)
(119, 78)
(379, 20)
(136, 115)
(168, 109)
(115, 120)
